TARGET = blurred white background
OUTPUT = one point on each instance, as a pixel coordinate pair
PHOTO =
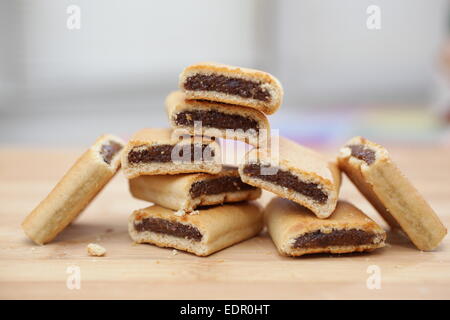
(61, 86)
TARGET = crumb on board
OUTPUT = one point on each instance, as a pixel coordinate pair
(182, 212)
(95, 250)
(174, 252)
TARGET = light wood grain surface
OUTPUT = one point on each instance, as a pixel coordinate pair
(249, 270)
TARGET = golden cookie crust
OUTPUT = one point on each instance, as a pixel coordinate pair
(73, 193)
(176, 102)
(286, 221)
(306, 164)
(161, 136)
(392, 194)
(173, 191)
(220, 226)
(267, 80)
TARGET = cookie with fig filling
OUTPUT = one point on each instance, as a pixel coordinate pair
(213, 119)
(296, 231)
(155, 152)
(92, 171)
(189, 191)
(294, 172)
(233, 85)
(372, 170)
(209, 230)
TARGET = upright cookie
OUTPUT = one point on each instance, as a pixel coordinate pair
(296, 231)
(204, 233)
(371, 169)
(153, 151)
(233, 85)
(189, 191)
(296, 173)
(216, 119)
(75, 190)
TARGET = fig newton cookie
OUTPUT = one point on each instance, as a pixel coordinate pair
(153, 151)
(214, 119)
(296, 173)
(370, 167)
(188, 191)
(233, 85)
(75, 190)
(202, 234)
(296, 231)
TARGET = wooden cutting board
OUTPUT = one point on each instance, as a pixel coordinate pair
(249, 270)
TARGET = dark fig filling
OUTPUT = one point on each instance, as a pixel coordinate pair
(215, 119)
(363, 153)
(318, 239)
(163, 153)
(219, 185)
(175, 229)
(109, 150)
(286, 179)
(229, 85)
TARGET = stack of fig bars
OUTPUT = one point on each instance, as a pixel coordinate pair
(202, 206)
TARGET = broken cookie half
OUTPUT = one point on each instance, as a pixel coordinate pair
(233, 85)
(213, 119)
(153, 151)
(296, 231)
(294, 172)
(189, 191)
(209, 230)
(371, 169)
(84, 180)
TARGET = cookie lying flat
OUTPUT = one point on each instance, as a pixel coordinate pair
(370, 168)
(296, 173)
(216, 119)
(188, 191)
(233, 85)
(296, 231)
(153, 151)
(75, 190)
(204, 233)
